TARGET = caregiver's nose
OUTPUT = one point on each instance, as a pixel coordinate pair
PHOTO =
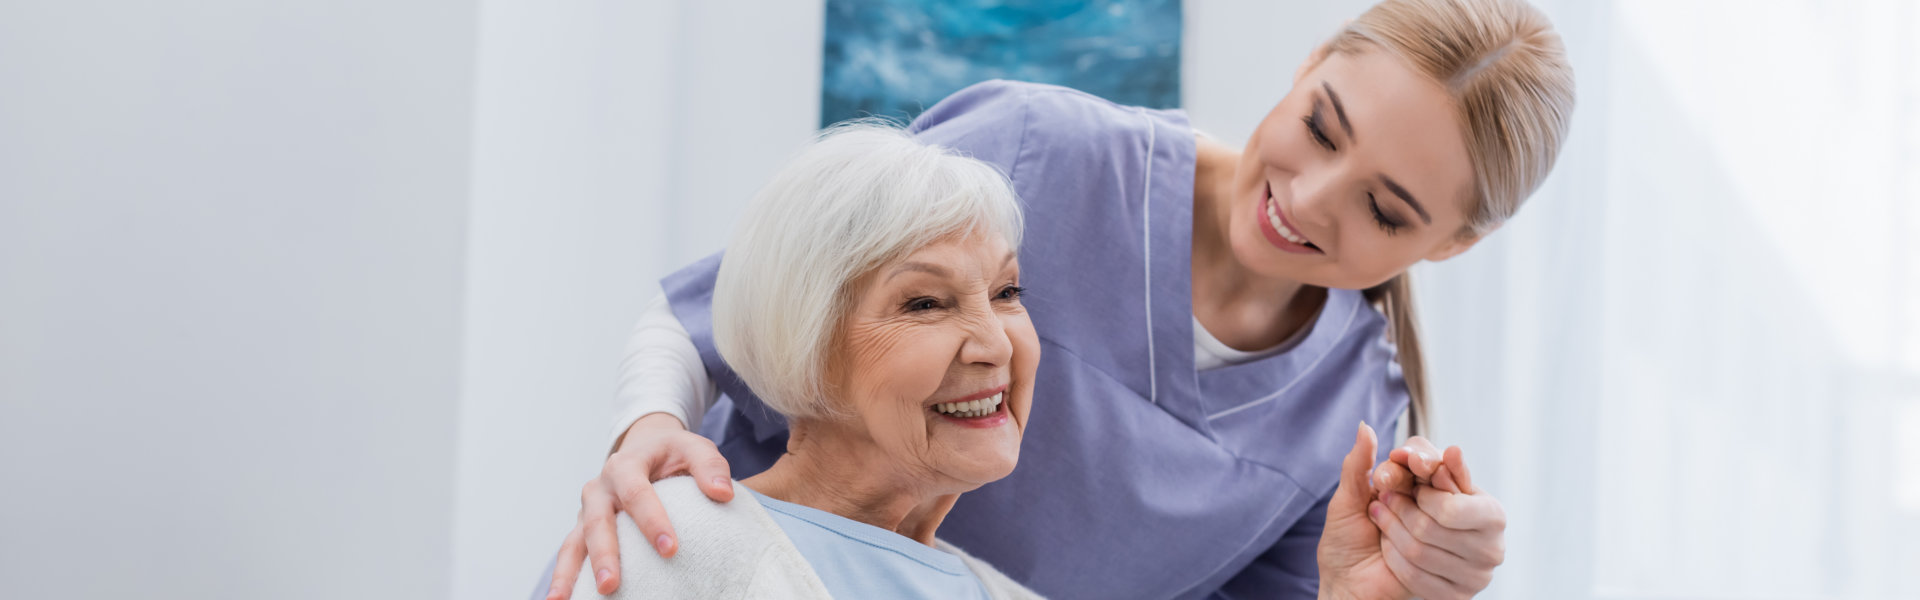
(1312, 193)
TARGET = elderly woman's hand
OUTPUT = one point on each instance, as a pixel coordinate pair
(1443, 536)
(656, 447)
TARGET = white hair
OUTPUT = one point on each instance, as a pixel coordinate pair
(862, 194)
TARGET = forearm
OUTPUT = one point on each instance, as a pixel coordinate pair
(661, 374)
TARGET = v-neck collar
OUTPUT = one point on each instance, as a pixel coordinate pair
(1178, 387)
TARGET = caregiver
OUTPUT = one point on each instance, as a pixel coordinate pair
(1211, 321)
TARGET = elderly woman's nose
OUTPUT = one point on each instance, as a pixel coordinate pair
(987, 342)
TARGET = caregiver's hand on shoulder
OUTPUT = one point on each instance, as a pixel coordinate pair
(1443, 536)
(1352, 561)
(656, 447)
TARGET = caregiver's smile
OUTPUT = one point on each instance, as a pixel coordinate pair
(1325, 193)
(1279, 230)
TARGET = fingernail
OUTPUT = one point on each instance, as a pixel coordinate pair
(663, 543)
(1373, 510)
(602, 575)
(721, 482)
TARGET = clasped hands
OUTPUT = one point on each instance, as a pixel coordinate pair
(1415, 525)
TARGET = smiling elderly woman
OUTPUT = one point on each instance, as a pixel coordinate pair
(872, 297)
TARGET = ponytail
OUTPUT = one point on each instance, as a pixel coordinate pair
(1395, 299)
(1508, 75)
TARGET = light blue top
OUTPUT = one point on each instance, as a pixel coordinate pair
(857, 560)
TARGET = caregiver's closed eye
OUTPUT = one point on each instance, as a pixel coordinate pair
(1317, 130)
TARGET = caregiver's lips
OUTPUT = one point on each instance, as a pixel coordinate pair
(1273, 221)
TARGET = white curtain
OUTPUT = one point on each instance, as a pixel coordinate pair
(1691, 366)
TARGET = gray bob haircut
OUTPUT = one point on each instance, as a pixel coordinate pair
(862, 194)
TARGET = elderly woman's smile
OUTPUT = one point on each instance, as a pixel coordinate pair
(981, 409)
(871, 297)
(937, 357)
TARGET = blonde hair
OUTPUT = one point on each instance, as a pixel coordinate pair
(1508, 75)
(863, 194)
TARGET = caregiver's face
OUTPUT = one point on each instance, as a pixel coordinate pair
(1358, 173)
(937, 358)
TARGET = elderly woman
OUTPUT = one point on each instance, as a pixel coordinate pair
(872, 297)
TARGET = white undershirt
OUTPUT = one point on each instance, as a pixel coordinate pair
(1210, 353)
(662, 372)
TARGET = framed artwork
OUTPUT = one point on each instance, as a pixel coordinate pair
(894, 58)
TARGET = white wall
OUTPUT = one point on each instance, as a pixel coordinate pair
(1239, 57)
(230, 277)
(323, 300)
(613, 143)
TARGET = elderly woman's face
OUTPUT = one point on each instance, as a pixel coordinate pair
(937, 361)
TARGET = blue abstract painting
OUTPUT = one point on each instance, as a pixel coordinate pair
(894, 58)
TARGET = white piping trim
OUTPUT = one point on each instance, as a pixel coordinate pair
(1302, 376)
(1146, 244)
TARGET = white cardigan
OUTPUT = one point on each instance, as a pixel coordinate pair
(735, 550)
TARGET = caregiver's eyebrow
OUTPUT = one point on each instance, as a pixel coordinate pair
(1394, 186)
(1339, 109)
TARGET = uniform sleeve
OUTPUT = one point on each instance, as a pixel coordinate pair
(661, 373)
(1291, 567)
(987, 121)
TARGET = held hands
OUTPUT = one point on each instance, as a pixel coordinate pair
(1443, 536)
(1417, 527)
(655, 447)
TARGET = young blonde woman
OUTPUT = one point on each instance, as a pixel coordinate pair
(1214, 321)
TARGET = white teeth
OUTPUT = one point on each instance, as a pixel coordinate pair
(971, 408)
(1273, 218)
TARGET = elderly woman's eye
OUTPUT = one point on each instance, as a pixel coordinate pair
(920, 304)
(1011, 292)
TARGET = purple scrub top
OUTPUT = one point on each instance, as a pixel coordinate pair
(1139, 476)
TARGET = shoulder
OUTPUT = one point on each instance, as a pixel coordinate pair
(726, 549)
(1374, 357)
(690, 507)
(1001, 121)
(1003, 102)
(1364, 321)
